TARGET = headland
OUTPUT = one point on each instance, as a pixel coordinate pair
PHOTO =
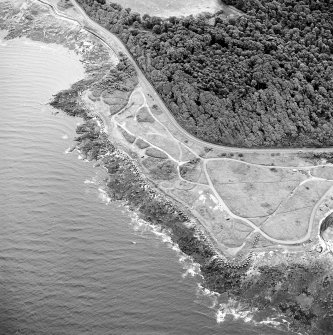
(251, 218)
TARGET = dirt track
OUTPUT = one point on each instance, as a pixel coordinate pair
(113, 43)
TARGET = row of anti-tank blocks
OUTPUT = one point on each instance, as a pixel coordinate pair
(224, 262)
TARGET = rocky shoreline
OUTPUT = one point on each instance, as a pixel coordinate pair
(295, 285)
(299, 284)
(291, 287)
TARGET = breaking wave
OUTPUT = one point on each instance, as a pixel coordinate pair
(207, 297)
(90, 181)
(230, 310)
(192, 269)
(103, 196)
(234, 310)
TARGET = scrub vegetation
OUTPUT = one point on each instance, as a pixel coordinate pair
(181, 185)
(260, 79)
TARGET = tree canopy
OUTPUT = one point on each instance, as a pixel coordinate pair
(261, 79)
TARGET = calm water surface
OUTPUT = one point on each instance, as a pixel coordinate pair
(69, 264)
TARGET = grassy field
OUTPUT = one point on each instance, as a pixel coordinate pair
(230, 193)
(251, 190)
(293, 216)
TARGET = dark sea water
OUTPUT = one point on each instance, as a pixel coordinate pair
(69, 263)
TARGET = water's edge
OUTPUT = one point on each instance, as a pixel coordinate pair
(126, 183)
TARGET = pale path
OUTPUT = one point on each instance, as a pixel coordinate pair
(115, 44)
(222, 205)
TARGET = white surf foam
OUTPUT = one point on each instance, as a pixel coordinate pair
(68, 151)
(234, 310)
(64, 137)
(88, 181)
(192, 269)
(270, 322)
(207, 297)
(102, 195)
(278, 321)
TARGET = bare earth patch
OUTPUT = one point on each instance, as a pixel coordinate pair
(233, 194)
(239, 200)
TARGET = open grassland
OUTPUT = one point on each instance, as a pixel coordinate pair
(251, 190)
(233, 194)
(324, 172)
(293, 216)
(155, 166)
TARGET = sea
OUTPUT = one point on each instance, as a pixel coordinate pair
(71, 261)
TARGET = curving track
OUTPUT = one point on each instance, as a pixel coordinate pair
(115, 44)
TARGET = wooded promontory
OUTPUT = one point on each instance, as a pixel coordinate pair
(262, 79)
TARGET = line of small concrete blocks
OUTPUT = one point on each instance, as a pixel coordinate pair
(238, 266)
(166, 201)
(225, 262)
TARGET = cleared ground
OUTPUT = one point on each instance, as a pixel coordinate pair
(251, 190)
(235, 193)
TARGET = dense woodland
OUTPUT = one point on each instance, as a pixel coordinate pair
(261, 79)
